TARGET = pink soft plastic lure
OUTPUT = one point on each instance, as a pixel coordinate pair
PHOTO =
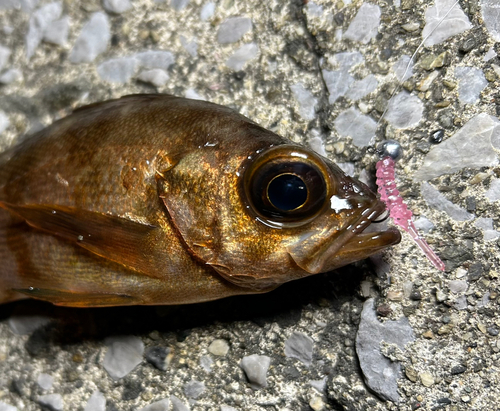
(390, 151)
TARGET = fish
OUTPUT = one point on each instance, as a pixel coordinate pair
(154, 199)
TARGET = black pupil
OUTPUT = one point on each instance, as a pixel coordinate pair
(287, 192)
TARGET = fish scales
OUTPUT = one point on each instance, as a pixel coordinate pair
(155, 199)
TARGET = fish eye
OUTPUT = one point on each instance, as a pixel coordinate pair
(286, 184)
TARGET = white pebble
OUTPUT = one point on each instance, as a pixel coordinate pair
(352, 123)
(53, 402)
(364, 26)
(489, 10)
(206, 363)
(471, 81)
(155, 59)
(96, 402)
(156, 77)
(116, 6)
(119, 70)
(255, 367)
(193, 94)
(361, 88)
(190, 46)
(307, 102)
(39, 21)
(4, 406)
(405, 110)
(438, 201)
(442, 21)
(493, 193)
(194, 388)
(93, 39)
(45, 381)
(25, 324)
(123, 355)
(57, 32)
(403, 68)
(207, 11)
(233, 29)
(179, 4)
(241, 56)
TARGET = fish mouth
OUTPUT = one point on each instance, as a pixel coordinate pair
(359, 244)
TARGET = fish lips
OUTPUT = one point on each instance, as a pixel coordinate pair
(350, 246)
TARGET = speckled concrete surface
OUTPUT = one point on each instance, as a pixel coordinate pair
(288, 87)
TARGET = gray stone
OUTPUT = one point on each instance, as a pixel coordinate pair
(241, 56)
(486, 225)
(318, 385)
(454, 154)
(4, 122)
(380, 373)
(206, 363)
(93, 39)
(179, 4)
(307, 102)
(10, 5)
(156, 77)
(438, 201)
(193, 389)
(191, 46)
(227, 408)
(405, 110)
(233, 29)
(255, 367)
(352, 123)
(39, 21)
(155, 59)
(193, 94)
(458, 286)
(314, 10)
(207, 11)
(403, 68)
(28, 5)
(423, 224)
(364, 26)
(45, 381)
(300, 346)
(490, 10)
(117, 6)
(471, 82)
(5, 53)
(361, 88)
(96, 402)
(57, 31)
(161, 405)
(441, 23)
(22, 324)
(123, 355)
(119, 70)
(158, 356)
(4, 406)
(339, 81)
(177, 404)
(54, 402)
(493, 193)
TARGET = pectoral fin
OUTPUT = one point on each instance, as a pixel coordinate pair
(114, 238)
(69, 299)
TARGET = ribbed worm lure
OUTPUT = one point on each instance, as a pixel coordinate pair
(390, 151)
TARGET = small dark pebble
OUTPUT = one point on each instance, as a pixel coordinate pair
(131, 390)
(339, 19)
(110, 406)
(239, 75)
(386, 54)
(415, 295)
(476, 271)
(291, 373)
(416, 406)
(444, 400)
(468, 44)
(436, 136)
(79, 384)
(423, 146)
(156, 356)
(478, 366)
(446, 319)
(458, 369)
(384, 310)
(18, 387)
(470, 203)
(493, 331)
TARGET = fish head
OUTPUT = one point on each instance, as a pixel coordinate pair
(278, 213)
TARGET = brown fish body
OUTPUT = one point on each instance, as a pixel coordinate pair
(157, 200)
